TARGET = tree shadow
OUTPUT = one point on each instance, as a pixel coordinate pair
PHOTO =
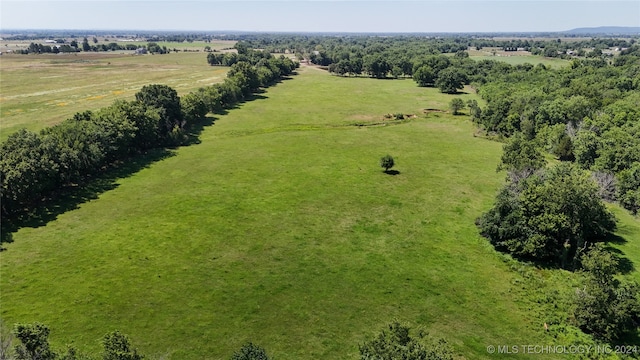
(71, 197)
(458, 93)
(193, 133)
(392, 172)
(615, 239)
(625, 266)
(629, 339)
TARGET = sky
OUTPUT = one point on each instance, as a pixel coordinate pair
(320, 15)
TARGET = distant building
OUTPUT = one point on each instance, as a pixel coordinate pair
(141, 51)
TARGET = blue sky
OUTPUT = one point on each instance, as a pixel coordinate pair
(320, 15)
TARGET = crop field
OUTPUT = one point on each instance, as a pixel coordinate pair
(280, 228)
(42, 90)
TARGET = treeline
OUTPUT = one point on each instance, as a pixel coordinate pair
(588, 116)
(244, 53)
(587, 113)
(73, 46)
(395, 341)
(34, 166)
(331, 48)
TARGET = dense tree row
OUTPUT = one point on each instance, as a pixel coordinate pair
(33, 165)
(35, 48)
(438, 43)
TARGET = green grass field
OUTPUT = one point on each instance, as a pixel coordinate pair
(519, 60)
(41, 90)
(280, 228)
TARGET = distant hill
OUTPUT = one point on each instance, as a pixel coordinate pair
(615, 30)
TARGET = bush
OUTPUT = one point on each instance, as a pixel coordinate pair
(117, 347)
(387, 162)
(605, 307)
(456, 105)
(34, 339)
(394, 342)
(250, 351)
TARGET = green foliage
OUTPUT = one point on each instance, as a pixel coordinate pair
(387, 162)
(585, 148)
(250, 351)
(587, 113)
(557, 141)
(456, 105)
(628, 188)
(27, 170)
(424, 76)
(117, 347)
(34, 342)
(620, 148)
(521, 156)
(395, 342)
(606, 307)
(194, 106)
(551, 216)
(167, 101)
(376, 66)
(450, 80)
(245, 76)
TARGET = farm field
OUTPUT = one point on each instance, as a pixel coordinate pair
(280, 228)
(41, 90)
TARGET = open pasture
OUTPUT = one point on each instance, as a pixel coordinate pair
(42, 90)
(280, 228)
(516, 57)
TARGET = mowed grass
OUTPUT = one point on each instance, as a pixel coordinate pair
(280, 228)
(41, 90)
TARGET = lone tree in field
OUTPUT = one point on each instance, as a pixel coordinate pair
(386, 162)
(456, 105)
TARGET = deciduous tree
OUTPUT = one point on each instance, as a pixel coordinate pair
(552, 216)
(456, 105)
(450, 80)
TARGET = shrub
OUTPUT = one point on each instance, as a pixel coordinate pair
(250, 351)
(456, 105)
(605, 307)
(117, 347)
(394, 342)
(387, 162)
(34, 339)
